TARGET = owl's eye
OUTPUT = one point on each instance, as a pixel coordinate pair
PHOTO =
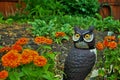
(77, 35)
(87, 36)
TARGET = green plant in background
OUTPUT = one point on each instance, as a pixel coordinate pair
(109, 65)
(45, 8)
(9, 21)
(1, 18)
(40, 28)
(67, 22)
(6, 21)
(107, 24)
(80, 7)
(42, 8)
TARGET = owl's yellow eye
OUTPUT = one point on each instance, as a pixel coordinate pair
(77, 35)
(87, 36)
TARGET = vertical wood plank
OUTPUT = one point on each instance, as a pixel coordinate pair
(115, 9)
(8, 7)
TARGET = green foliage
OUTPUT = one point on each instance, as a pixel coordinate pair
(9, 21)
(109, 24)
(83, 7)
(66, 23)
(42, 27)
(45, 8)
(1, 18)
(42, 8)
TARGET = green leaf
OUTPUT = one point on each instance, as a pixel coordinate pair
(118, 59)
(46, 67)
(66, 37)
(101, 72)
(52, 56)
(14, 76)
(47, 47)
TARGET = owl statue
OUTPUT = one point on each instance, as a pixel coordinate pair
(82, 57)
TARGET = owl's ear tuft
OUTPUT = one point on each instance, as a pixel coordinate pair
(91, 28)
(76, 29)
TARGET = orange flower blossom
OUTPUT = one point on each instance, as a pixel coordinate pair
(109, 38)
(59, 34)
(17, 47)
(40, 61)
(42, 40)
(22, 41)
(3, 74)
(99, 46)
(48, 41)
(112, 44)
(106, 43)
(5, 49)
(34, 54)
(11, 59)
(28, 55)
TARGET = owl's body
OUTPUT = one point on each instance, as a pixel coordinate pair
(78, 64)
(80, 59)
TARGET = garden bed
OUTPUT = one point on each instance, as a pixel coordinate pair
(9, 34)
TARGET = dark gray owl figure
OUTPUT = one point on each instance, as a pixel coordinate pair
(82, 57)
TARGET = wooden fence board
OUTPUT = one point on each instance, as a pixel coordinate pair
(9, 7)
(111, 9)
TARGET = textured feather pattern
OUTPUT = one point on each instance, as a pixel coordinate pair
(78, 64)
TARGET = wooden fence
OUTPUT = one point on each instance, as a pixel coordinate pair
(107, 7)
(10, 7)
(110, 8)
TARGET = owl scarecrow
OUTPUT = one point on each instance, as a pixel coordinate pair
(82, 57)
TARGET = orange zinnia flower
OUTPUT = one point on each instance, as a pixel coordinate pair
(5, 49)
(106, 43)
(100, 46)
(17, 47)
(40, 40)
(113, 38)
(22, 41)
(109, 38)
(33, 53)
(40, 61)
(26, 56)
(11, 59)
(112, 45)
(49, 41)
(3, 74)
(59, 34)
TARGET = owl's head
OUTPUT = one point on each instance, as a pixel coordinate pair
(84, 39)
